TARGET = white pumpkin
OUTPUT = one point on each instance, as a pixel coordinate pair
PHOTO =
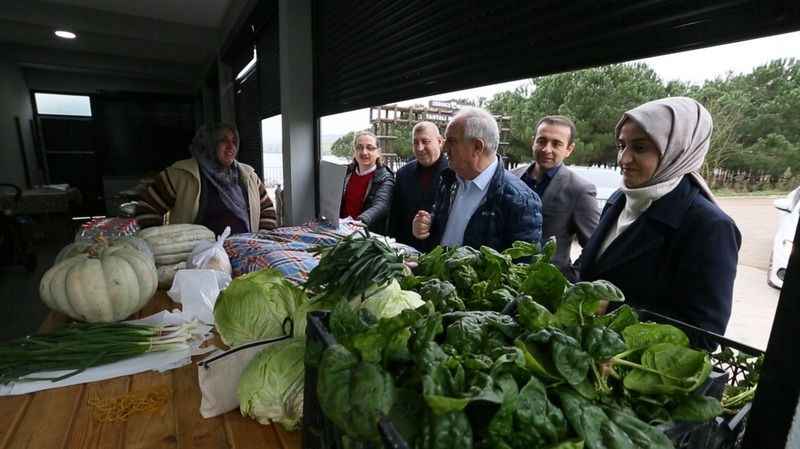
(109, 283)
(83, 246)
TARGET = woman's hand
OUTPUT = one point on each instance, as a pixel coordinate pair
(421, 226)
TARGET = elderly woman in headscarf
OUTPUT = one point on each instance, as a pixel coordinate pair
(662, 239)
(211, 188)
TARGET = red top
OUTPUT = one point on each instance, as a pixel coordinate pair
(354, 194)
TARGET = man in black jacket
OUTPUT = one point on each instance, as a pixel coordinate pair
(417, 182)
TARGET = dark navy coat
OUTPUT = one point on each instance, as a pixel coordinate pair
(408, 198)
(678, 258)
(510, 211)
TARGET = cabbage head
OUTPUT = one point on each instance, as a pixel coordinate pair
(391, 300)
(271, 387)
(255, 306)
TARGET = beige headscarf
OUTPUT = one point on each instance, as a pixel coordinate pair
(681, 129)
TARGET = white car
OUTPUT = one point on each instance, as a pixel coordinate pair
(788, 213)
(607, 180)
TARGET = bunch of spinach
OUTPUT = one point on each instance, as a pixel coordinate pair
(556, 375)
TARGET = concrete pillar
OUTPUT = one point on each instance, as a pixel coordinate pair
(300, 154)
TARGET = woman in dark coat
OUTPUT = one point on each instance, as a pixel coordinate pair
(662, 239)
(368, 185)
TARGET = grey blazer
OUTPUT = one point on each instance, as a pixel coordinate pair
(569, 209)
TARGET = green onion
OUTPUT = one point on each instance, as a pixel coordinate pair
(79, 346)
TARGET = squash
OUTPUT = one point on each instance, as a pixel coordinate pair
(158, 236)
(83, 246)
(107, 283)
(166, 274)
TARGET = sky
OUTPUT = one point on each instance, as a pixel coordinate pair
(693, 66)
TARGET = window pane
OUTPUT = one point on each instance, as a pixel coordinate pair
(56, 104)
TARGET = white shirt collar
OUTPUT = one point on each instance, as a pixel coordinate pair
(366, 172)
(482, 180)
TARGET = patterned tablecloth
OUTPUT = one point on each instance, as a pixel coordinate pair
(285, 249)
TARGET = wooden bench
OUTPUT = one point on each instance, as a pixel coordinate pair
(61, 419)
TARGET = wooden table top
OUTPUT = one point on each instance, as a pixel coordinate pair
(61, 419)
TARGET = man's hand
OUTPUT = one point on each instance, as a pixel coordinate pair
(421, 226)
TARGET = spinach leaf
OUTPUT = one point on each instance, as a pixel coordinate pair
(545, 284)
(643, 335)
(479, 332)
(591, 423)
(441, 294)
(493, 264)
(570, 360)
(532, 315)
(582, 300)
(406, 410)
(499, 298)
(537, 361)
(353, 394)
(520, 249)
(602, 343)
(463, 276)
(433, 264)
(618, 320)
(448, 431)
(527, 419)
(696, 408)
(643, 435)
(669, 369)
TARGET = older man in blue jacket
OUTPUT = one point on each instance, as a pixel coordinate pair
(478, 202)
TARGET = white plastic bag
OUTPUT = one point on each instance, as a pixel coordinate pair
(197, 290)
(219, 373)
(211, 255)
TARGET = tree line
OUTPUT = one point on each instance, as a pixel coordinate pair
(756, 126)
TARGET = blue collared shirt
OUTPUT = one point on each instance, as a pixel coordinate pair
(541, 186)
(468, 198)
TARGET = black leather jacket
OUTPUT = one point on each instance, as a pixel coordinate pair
(378, 199)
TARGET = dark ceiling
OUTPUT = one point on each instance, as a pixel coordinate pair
(150, 40)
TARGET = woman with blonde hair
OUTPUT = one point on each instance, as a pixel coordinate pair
(662, 238)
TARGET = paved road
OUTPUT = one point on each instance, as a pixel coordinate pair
(754, 302)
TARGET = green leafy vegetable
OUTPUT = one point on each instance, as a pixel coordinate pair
(353, 394)
(643, 335)
(545, 284)
(271, 387)
(256, 305)
(582, 300)
(352, 266)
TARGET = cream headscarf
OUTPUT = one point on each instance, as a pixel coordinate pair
(681, 129)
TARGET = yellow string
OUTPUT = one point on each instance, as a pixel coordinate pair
(120, 408)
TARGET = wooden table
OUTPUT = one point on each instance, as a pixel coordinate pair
(60, 418)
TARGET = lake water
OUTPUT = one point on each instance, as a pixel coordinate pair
(607, 180)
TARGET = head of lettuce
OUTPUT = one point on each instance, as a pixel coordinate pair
(271, 387)
(260, 305)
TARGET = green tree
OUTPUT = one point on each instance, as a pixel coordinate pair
(343, 146)
(594, 98)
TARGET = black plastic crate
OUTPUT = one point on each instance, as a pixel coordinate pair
(722, 433)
